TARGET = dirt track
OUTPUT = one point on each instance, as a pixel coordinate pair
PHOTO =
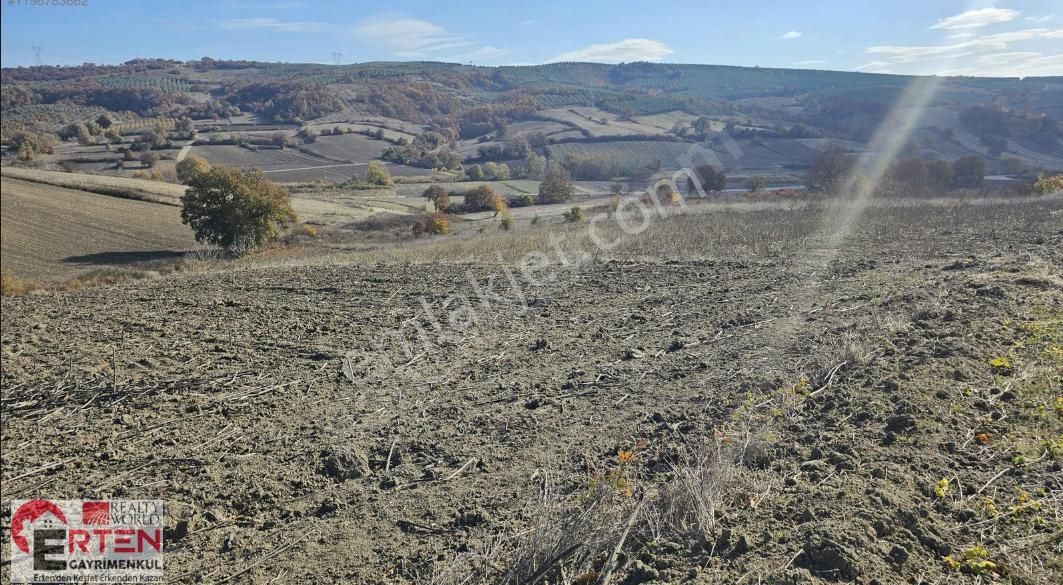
(225, 394)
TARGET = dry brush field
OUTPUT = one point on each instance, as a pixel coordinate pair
(726, 398)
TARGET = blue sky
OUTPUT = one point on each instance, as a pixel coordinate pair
(946, 37)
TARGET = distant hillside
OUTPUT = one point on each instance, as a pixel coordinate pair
(993, 117)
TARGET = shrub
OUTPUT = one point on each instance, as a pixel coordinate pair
(506, 222)
(1048, 184)
(11, 284)
(574, 215)
(235, 208)
(666, 196)
(150, 159)
(525, 200)
(755, 184)
(432, 223)
(378, 175)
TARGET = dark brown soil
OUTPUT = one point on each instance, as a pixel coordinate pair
(289, 449)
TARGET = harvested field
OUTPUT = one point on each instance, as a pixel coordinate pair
(756, 399)
(53, 232)
(292, 166)
(590, 120)
(122, 187)
(348, 147)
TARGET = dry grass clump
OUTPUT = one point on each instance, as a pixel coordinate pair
(591, 533)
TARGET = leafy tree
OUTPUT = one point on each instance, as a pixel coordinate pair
(184, 126)
(439, 197)
(701, 125)
(939, 175)
(557, 185)
(279, 139)
(474, 173)
(149, 158)
(829, 169)
(517, 147)
(756, 184)
(235, 208)
(190, 166)
(911, 175)
(308, 134)
(104, 121)
(712, 180)
(534, 165)
(496, 171)
(483, 198)
(968, 171)
(29, 144)
(378, 175)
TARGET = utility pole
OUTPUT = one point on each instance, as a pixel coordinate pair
(37, 54)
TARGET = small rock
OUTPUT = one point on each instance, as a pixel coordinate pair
(898, 554)
(900, 423)
(348, 463)
(641, 573)
(633, 354)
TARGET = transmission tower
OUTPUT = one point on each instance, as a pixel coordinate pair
(37, 54)
(337, 57)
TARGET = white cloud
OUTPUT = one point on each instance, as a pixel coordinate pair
(409, 37)
(1000, 59)
(620, 51)
(1040, 19)
(262, 23)
(977, 18)
(1004, 65)
(993, 42)
(793, 35)
(983, 55)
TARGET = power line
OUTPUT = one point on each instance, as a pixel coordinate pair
(37, 53)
